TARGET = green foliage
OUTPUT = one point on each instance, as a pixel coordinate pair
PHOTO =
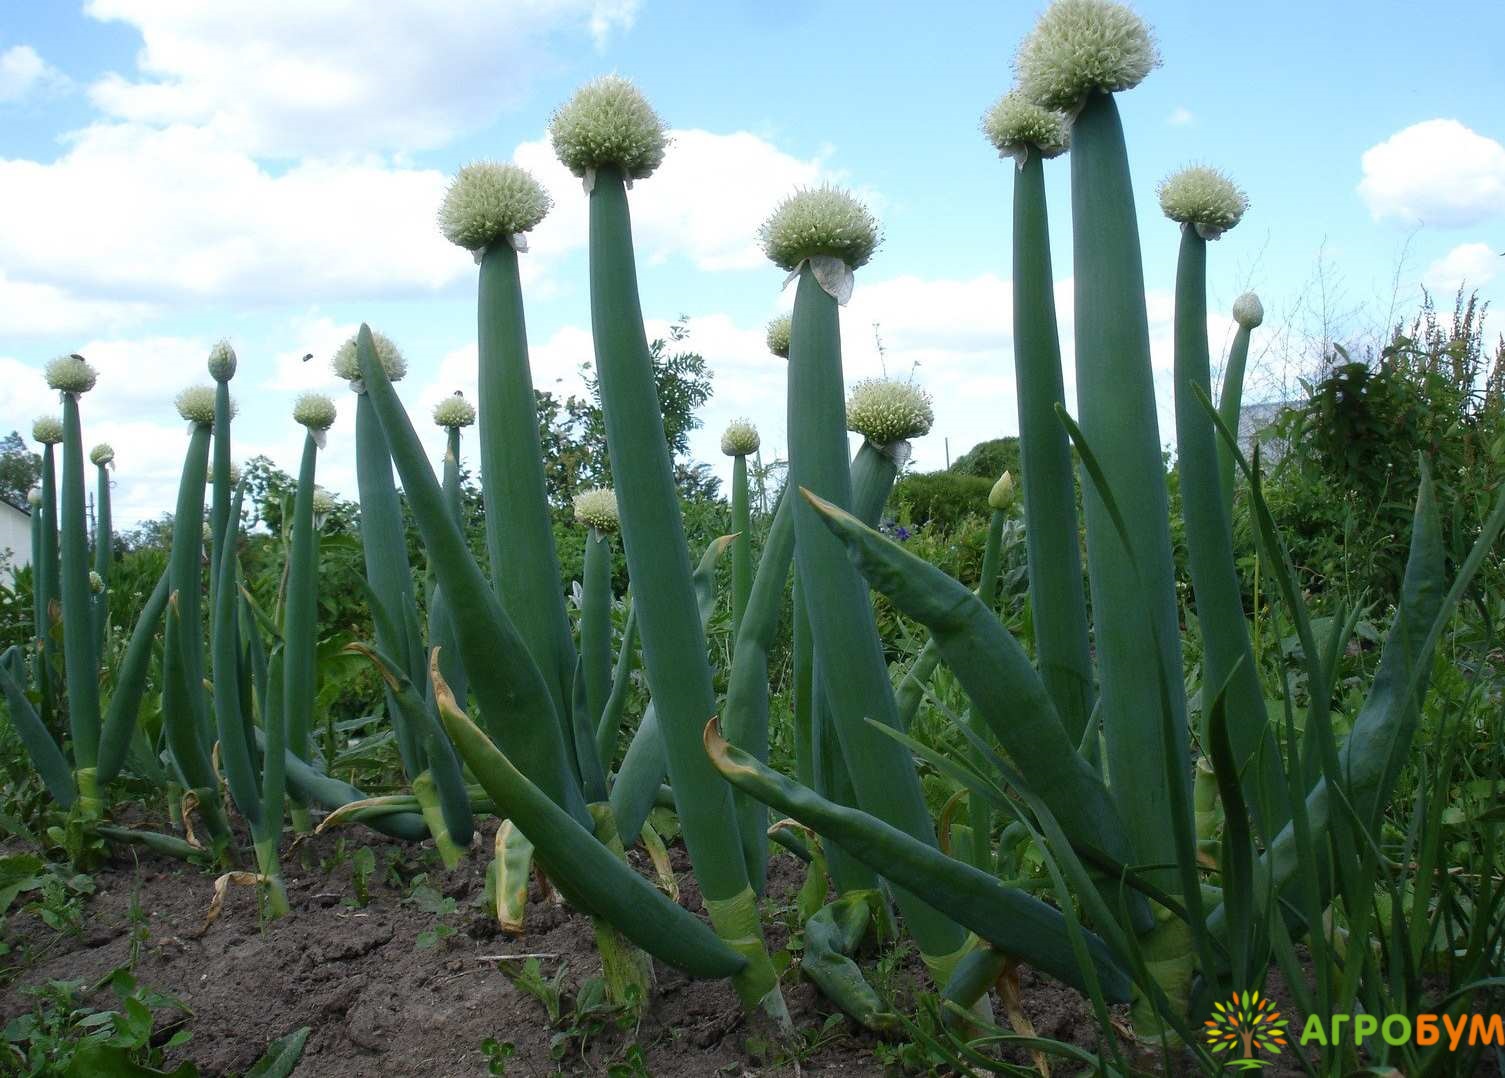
(942, 500)
(990, 459)
(20, 469)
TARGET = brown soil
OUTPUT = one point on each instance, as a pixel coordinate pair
(379, 1005)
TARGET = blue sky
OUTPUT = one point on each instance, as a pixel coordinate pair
(269, 171)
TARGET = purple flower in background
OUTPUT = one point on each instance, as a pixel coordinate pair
(901, 533)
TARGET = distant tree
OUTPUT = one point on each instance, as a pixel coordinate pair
(990, 459)
(20, 468)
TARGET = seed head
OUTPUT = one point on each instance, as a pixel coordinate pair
(222, 362)
(33, 497)
(1079, 46)
(315, 411)
(820, 221)
(71, 374)
(488, 202)
(1203, 197)
(1014, 123)
(597, 508)
(196, 404)
(885, 410)
(347, 364)
(740, 438)
(234, 474)
(1002, 494)
(96, 582)
(778, 335)
(1248, 311)
(608, 123)
(324, 503)
(454, 412)
(102, 454)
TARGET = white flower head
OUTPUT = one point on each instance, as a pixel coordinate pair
(1248, 311)
(487, 202)
(234, 474)
(1082, 46)
(1016, 124)
(597, 508)
(222, 362)
(314, 411)
(885, 410)
(1203, 198)
(196, 404)
(324, 503)
(740, 438)
(102, 454)
(34, 497)
(347, 365)
(820, 221)
(96, 582)
(71, 374)
(454, 412)
(778, 335)
(609, 124)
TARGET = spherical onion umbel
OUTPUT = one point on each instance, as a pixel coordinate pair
(886, 410)
(347, 364)
(597, 508)
(778, 335)
(454, 412)
(47, 429)
(487, 202)
(820, 221)
(314, 411)
(740, 438)
(71, 374)
(1248, 311)
(1082, 46)
(196, 404)
(1015, 123)
(609, 124)
(1203, 197)
(102, 454)
(222, 362)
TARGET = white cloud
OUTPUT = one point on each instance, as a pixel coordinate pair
(286, 77)
(30, 309)
(1180, 116)
(22, 70)
(1472, 264)
(1437, 173)
(138, 213)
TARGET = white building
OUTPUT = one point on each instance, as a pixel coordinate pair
(15, 535)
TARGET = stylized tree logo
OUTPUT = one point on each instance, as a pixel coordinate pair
(1246, 1022)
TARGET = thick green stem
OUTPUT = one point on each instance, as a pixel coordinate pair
(1133, 587)
(1055, 566)
(104, 556)
(219, 510)
(854, 675)
(595, 626)
(742, 567)
(81, 661)
(1230, 403)
(48, 572)
(658, 561)
(1227, 658)
(300, 619)
(519, 527)
(433, 815)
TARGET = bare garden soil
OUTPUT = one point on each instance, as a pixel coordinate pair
(379, 1004)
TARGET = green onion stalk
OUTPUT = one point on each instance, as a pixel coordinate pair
(826, 231)
(452, 414)
(102, 456)
(185, 709)
(316, 414)
(47, 572)
(1030, 135)
(72, 377)
(488, 211)
(1079, 54)
(596, 509)
(739, 441)
(1206, 204)
(34, 511)
(609, 135)
(1248, 314)
(222, 364)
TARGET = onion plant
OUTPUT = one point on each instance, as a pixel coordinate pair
(1248, 315)
(739, 441)
(48, 430)
(609, 135)
(102, 456)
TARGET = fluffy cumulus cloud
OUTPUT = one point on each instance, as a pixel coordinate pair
(23, 72)
(287, 77)
(1469, 264)
(28, 308)
(1437, 173)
